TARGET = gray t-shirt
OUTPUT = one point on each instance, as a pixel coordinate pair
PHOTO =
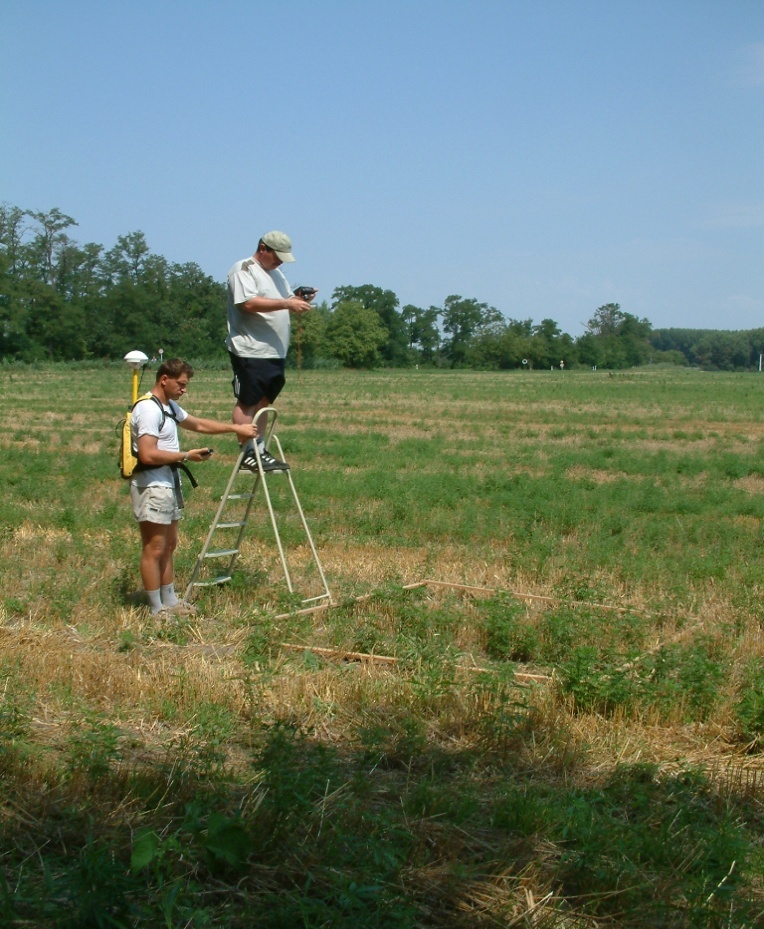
(257, 335)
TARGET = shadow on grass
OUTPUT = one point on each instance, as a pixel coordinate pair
(391, 830)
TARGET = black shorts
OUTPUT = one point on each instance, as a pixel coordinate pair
(255, 379)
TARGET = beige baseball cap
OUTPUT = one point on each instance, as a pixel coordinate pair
(280, 243)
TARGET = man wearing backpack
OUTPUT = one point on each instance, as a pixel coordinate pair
(155, 489)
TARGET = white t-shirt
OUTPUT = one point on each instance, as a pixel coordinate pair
(257, 335)
(146, 420)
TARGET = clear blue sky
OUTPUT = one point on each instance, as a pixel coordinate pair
(545, 157)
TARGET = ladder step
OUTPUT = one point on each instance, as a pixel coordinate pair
(211, 583)
(239, 517)
(224, 553)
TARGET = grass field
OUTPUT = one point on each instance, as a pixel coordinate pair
(564, 574)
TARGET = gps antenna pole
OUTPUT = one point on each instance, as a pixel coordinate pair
(136, 360)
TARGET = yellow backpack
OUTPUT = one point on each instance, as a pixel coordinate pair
(128, 454)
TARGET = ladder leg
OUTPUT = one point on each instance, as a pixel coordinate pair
(306, 529)
(275, 526)
(241, 524)
(268, 436)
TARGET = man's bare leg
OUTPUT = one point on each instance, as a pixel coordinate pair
(242, 415)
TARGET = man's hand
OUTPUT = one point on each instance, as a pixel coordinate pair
(245, 431)
(199, 454)
(296, 305)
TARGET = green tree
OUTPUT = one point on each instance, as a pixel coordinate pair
(14, 305)
(78, 273)
(590, 350)
(423, 332)
(355, 335)
(723, 351)
(12, 229)
(395, 349)
(195, 312)
(712, 348)
(58, 329)
(614, 339)
(606, 320)
(309, 336)
(634, 335)
(39, 317)
(493, 349)
(48, 243)
(126, 261)
(545, 348)
(463, 319)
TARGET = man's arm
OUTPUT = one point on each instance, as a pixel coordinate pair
(270, 304)
(244, 431)
(248, 283)
(153, 457)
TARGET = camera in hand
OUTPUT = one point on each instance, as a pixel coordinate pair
(305, 292)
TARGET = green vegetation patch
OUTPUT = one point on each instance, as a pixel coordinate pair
(568, 733)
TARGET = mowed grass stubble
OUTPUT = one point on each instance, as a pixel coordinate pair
(580, 744)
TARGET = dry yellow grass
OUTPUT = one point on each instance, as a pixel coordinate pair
(154, 680)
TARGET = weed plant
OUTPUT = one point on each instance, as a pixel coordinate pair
(569, 735)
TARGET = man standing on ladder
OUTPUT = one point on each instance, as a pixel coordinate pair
(259, 303)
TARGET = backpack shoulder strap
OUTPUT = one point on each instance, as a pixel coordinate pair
(165, 414)
(143, 397)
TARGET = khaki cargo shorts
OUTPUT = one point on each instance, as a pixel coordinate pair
(155, 504)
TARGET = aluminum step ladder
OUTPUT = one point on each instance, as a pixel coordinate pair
(226, 522)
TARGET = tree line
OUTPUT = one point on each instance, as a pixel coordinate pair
(63, 301)
(712, 349)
